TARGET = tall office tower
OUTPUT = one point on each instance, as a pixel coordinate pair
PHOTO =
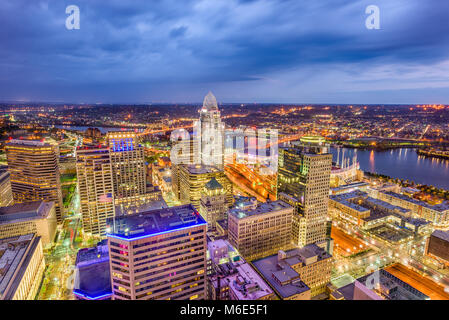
(304, 176)
(34, 170)
(6, 198)
(213, 203)
(128, 165)
(158, 255)
(211, 138)
(193, 178)
(260, 232)
(95, 186)
(185, 155)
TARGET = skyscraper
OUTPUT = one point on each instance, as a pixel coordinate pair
(158, 255)
(34, 173)
(304, 181)
(211, 135)
(128, 165)
(95, 186)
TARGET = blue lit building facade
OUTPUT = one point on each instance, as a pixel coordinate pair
(158, 255)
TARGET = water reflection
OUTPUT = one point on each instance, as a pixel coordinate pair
(402, 163)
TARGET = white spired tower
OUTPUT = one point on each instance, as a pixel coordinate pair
(210, 133)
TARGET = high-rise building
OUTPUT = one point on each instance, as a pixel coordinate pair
(185, 155)
(158, 255)
(193, 178)
(34, 169)
(211, 133)
(95, 186)
(128, 165)
(6, 198)
(213, 203)
(22, 267)
(261, 232)
(304, 176)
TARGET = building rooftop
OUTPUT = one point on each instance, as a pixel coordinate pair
(32, 143)
(25, 211)
(266, 207)
(282, 278)
(88, 255)
(247, 284)
(200, 169)
(213, 184)
(442, 207)
(350, 186)
(389, 288)
(232, 271)
(443, 235)
(149, 205)
(92, 279)
(153, 222)
(13, 255)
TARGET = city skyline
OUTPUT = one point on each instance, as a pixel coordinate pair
(244, 51)
(316, 166)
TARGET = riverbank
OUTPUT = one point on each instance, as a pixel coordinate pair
(434, 154)
(402, 163)
(432, 190)
(379, 146)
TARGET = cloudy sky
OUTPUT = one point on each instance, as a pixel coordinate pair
(298, 51)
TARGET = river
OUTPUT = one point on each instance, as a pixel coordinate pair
(402, 163)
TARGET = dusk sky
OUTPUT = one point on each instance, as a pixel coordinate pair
(309, 51)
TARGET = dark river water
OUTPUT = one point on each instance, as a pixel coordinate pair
(402, 163)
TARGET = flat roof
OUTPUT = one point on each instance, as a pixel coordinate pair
(262, 208)
(268, 267)
(92, 279)
(247, 284)
(25, 211)
(351, 185)
(399, 290)
(442, 207)
(153, 222)
(33, 143)
(12, 253)
(443, 235)
(200, 169)
(87, 255)
(121, 210)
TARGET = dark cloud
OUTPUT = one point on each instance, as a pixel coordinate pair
(134, 51)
